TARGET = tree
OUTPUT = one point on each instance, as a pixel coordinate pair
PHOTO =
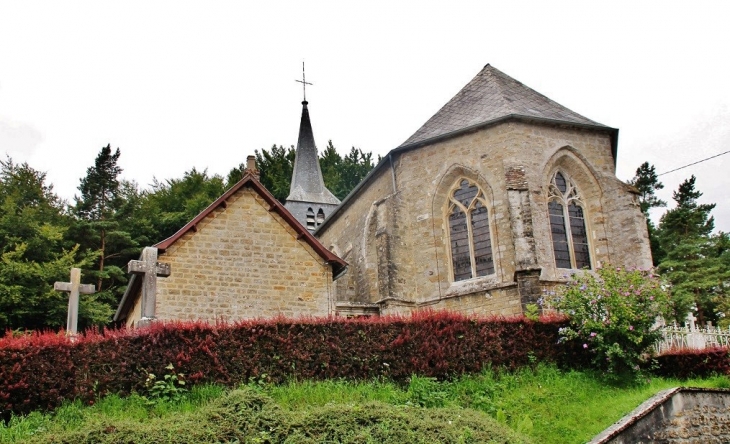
(33, 254)
(647, 183)
(341, 174)
(102, 225)
(696, 262)
(174, 202)
(688, 218)
(276, 167)
(355, 166)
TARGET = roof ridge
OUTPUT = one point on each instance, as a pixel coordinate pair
(490, 96)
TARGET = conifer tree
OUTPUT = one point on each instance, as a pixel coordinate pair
(697, 263)
(103, 223)
(647, 183)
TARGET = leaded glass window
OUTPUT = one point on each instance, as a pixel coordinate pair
(567, 224)
(469, 235)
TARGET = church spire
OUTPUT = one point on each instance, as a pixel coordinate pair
(309, 200)
(307, 183)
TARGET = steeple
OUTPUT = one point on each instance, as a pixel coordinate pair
(309, 200)
(307, 183)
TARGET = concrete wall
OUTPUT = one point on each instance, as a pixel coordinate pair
(675, 416)
(243, 262)
(394, 234)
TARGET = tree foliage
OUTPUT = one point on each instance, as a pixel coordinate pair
(696, 263)
(101, 227)
(341, 174)
(647, 183)
(170, 204)
(34, 253)
(110, 221)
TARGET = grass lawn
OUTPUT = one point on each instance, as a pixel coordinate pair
(544, 405)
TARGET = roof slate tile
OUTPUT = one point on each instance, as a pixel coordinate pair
(489, 96)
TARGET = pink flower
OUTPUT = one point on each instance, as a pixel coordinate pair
(631, 327)
(593, 334)
(585, 345)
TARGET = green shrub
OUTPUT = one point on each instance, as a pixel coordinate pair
(612, 313)
(171, 388)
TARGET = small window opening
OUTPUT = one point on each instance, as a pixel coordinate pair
(310, 219)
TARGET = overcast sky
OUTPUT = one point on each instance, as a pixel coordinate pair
(177, 85)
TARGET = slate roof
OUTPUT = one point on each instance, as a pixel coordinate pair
(489, 98)
(307, 184)
(493, 95)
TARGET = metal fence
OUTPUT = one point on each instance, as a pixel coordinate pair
(691, 337)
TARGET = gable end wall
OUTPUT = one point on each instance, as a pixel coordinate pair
(243, 262)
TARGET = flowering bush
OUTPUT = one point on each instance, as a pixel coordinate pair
(612, 313)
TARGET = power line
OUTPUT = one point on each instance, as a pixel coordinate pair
(693, 163)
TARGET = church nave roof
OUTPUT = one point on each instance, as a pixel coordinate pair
(490, 96)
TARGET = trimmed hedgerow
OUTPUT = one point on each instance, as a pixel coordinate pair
(39, 371)
(693, 363)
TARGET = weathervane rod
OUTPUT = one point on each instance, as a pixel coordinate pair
(304, 83)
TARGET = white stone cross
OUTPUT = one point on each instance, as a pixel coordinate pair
(74, 288)
(149, 269)
(690, 321)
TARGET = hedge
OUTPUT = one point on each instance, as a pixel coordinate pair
(688, 363)
(40, 371)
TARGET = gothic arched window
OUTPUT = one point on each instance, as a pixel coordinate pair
(471, 243)
(320, 217)
(567, 224)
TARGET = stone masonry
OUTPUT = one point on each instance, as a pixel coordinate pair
(393, 230)
(241, 259)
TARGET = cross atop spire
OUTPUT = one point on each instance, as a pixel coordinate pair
(304, 83)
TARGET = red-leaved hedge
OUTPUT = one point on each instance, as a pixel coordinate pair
(694, 363)
(39, 371)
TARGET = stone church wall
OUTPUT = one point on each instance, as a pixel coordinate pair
(243, 262)
(359, 238)
(399, 240)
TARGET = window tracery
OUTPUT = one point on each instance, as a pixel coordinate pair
(567, 224)
(469, 234)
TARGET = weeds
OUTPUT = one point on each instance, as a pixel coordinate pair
(464, 410)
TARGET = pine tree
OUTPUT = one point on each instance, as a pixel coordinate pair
(647, 183)
(104, 221)
(696, 262)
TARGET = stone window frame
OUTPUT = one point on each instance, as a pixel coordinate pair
(479, 198)
(572, 195)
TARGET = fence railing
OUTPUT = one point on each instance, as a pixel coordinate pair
(691, 337)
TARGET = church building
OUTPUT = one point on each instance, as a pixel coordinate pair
(499, 196)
